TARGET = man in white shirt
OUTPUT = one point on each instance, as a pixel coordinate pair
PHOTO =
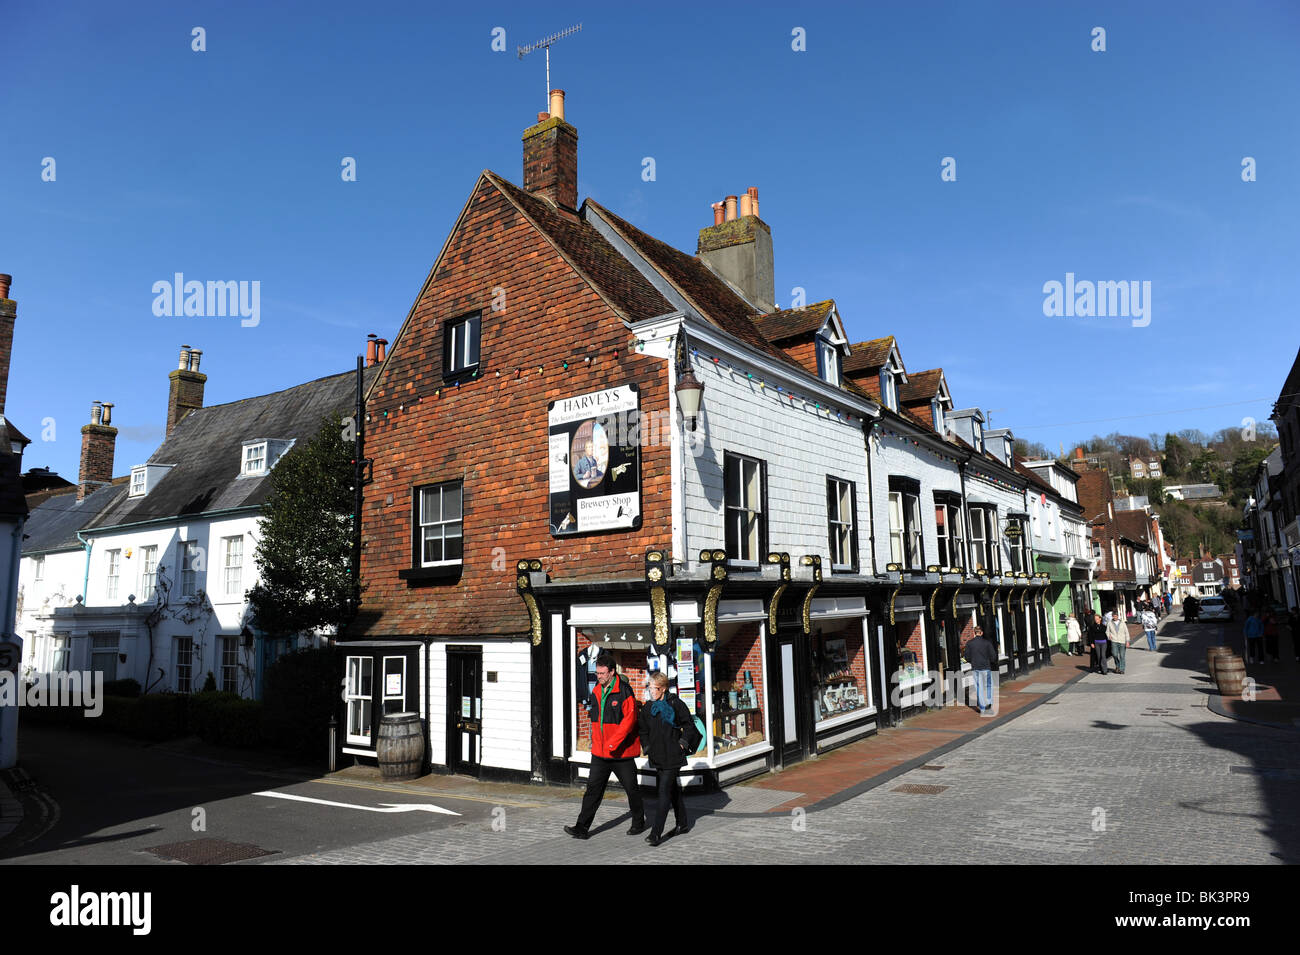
(1149, 625)
(1117, 635)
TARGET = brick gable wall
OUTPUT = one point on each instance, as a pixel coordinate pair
(492, 432)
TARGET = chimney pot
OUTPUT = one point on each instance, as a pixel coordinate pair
(718, 213)
(5, 282)
(731, 207)
(543, 117)
(381, 346)
(96, 410)
(108, 413)
(185, 358)
(195, 356)
(557, 104)
(746, 205)
(370, 349)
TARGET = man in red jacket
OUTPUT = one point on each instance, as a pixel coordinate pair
(614, 747)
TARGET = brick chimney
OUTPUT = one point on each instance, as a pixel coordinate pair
(8, 315)
(186, 392)
(739, 248)
(98, 440)
(551, 156)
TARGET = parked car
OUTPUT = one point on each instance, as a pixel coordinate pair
(1215, 608)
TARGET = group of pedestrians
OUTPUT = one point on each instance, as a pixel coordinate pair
(622, 729)
(1262, 631)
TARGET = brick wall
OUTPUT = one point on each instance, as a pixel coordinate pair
(492, 432)
(97, 448)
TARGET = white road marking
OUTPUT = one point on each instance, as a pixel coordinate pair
(382, 807)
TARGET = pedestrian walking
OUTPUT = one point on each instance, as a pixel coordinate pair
(1097, 641)
(1149, 626)
(982, 655)
(1191, 609)
(1074, 634)
(1254, 634)
(614, 747)
(1117, 635)
(1270, 635)
(668, 736)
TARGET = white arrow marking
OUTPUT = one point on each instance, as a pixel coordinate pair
(383, 807)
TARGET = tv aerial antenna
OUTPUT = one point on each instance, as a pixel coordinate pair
(545, 44)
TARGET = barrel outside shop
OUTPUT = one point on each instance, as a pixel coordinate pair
(1230, 674)
(400, 746)
(1212, 654)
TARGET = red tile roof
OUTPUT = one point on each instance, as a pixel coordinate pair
(784, 324)
(922, 386)
(868, 356)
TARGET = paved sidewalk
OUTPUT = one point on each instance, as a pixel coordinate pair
(858, 767)
(1275, 700)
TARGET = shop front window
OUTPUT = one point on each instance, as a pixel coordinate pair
(738, 688)
(841, 679)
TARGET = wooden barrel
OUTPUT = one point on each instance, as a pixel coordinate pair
(1211, 653)
(400, 747)
(1230, 674)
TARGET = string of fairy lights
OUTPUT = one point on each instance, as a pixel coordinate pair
(720, 364)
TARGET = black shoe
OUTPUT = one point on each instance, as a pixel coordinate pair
(680, 830)
(577, 833)
(653, 839)
(637, 829)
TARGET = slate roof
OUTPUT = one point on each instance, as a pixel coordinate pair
(784, 324)
(868, 356)
(53, 524)
(612, 275)
(205, 449)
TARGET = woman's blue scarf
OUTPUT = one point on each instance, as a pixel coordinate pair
(664, 710)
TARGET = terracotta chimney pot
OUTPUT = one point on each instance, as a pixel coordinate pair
(731, 207)
(746, 205)
(557, 104)
(718, 213)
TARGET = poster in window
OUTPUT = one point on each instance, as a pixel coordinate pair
(393, 684)
(594, 461)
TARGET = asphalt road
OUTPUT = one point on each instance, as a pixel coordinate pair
(104, 799)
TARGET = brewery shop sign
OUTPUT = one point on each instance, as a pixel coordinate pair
(595, 462)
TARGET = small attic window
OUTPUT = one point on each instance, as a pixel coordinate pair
(828, 360)
(888, 388)
(254, 459)
(138, 485)
(260, 455)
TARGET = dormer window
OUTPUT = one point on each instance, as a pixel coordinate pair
(828, 360)
(259, 455)
(255, 458)
(978, 432)
(936, 414)
(888, 389)
(145, 477)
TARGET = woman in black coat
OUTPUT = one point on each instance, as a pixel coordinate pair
(668, 734)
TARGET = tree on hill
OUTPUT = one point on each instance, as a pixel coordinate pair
(305, 553)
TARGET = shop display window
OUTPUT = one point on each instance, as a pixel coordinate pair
(841, 678)
(738, 688)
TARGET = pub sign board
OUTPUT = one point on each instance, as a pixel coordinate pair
(595, 461)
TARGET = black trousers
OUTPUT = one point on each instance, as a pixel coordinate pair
(670, 794)
(625, 770)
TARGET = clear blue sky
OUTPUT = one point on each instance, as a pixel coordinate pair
(1122, 165)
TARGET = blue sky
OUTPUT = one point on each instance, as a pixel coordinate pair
(225, 165)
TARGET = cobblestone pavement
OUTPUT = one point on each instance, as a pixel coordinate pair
(1125, 769)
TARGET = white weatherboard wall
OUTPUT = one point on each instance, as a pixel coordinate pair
(507, 720)
(897, 457)
(801, 448)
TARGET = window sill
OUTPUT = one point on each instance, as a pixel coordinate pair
(461, 374)
(423, 574)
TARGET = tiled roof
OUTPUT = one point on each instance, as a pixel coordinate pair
(1133, 525)
(789, 323)
(612, 275)
(710, 296)
(868, 356)
(921, 386)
